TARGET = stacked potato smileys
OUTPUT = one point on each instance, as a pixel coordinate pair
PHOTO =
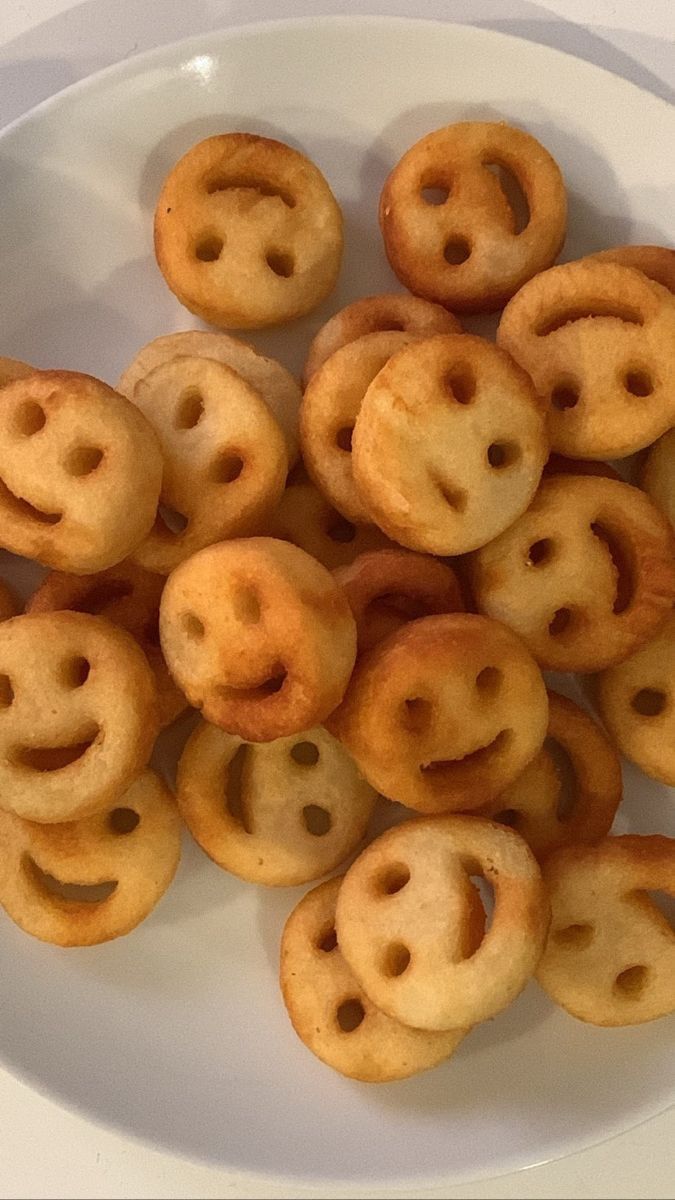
(372, 619)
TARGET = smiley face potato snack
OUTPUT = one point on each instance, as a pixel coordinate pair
(331, 1013)
(128, 596)
(584, 577)
(78, 714)
(80, 472)
(258, 636)
(444, 713)
(395, 312)
(307, 519)
(610, 954)
(275, 384)
(363, 629)
(96, 878)
(451, 230)
(656, 262)
(658, 475)
(388, 588)
(224, 456)
(598, 340)
(636, 700)
(247, 232)
(571, 789)
(403, 908)
(330, 406)
(449, 444)
(302, 807)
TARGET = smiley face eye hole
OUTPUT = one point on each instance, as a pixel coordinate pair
(540, 552)
(489, 681)
(209, 248)
(123, 820)
(227, 467)
(350, 1014)
(281, 263)
(75, 671)
(649, 702)
(460, 383)
(392, 879)
(502, 454)
(305, 754)
(316, 820)
(6, 691)
(435, 193)
(395, 960)
(246, 606)
(574, 937)
(631, 983)
(193, 628)
(29, 418)
(327, 941)
(456, 251)
(416, 714)
(343, 438)
(638, 382)
(190, 409)
(83, 460)
(561, 622)
(565, 394)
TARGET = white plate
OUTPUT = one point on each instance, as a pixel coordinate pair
(177, 1033)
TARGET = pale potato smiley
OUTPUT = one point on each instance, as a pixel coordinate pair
(87, 881)
(78, 714)
(403, 912)
(610, 954)
(296, 807)
(80, 472)
(449, 444)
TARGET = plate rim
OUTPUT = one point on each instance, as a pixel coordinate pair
(268, 26)
(138, 64)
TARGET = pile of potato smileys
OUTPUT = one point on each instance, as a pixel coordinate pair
(359, 586)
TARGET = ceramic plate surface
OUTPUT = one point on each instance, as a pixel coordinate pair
(177, 1033)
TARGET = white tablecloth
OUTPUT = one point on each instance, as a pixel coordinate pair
(45, 45)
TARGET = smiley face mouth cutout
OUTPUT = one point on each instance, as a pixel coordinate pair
(67, 890)
(23, 508)
(435, 769)
(625, 582)
(270, 686)
(581, 312)
(247, 183)
(56, 758)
